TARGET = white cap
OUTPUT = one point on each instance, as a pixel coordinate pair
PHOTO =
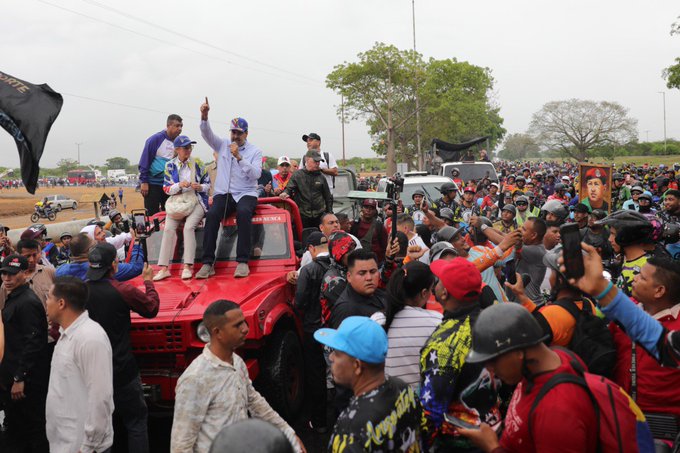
(284, 160)
(566, 177)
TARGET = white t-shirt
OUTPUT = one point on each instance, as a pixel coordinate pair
(410, 329)
(417, 240)
(325, 165)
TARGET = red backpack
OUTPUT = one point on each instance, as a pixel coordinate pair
(621, 426)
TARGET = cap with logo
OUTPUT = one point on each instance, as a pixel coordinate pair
(34, 231)
(283, 160)
(13, 264)
(460, 277)
(359, 337)
(239, 124)
(183, 141)
(314, 155)
(312, 135)
(101, 259)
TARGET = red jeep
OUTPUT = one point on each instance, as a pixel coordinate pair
(166, 345)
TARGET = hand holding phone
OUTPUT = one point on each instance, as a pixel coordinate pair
(571, 251)
(457, 422)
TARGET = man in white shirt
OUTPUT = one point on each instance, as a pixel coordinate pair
(79, 406)
(406, 225)
(329, 167)
(215, 390)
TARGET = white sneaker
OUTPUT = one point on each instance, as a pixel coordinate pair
(242, 270)
(162, 274)
(187, 274)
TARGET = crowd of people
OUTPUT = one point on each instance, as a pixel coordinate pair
(452, 324)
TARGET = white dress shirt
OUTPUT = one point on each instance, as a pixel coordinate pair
(79, 404)
(212, 394)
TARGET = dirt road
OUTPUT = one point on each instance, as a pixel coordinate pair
(16, 205)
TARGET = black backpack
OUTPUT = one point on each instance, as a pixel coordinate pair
(592, 340)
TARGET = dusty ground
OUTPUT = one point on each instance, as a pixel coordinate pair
(16, 205)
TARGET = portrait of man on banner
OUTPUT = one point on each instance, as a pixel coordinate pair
(595, 186)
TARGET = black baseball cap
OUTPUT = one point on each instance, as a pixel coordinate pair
(312, 135)
(4, 228)
(13, 264)
(101, 259)
(314, 155)
(316, 239)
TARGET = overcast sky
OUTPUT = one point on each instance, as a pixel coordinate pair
(266, 61)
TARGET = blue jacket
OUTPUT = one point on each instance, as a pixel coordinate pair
(126, 271)
(151, 164)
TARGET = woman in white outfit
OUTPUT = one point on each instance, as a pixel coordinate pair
(188, 184)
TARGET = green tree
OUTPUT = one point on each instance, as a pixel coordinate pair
(574, 127)
(672, 73)
(518, 147)
(377, 88)
(67, 164)
(116, 163)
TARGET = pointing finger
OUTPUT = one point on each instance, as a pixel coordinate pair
(206, 99)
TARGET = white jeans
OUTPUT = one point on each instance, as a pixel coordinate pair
(170, 237)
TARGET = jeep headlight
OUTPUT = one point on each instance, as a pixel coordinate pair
(203, 333)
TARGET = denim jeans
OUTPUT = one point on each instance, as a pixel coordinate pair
(131, 408)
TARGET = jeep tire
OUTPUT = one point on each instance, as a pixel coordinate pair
(282, 374)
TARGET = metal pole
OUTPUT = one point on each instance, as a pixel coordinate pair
(342, 119)
(647, 132)
(421, 158)
(78, 145)
(664, 120)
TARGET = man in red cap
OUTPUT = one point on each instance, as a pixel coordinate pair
(468, 206)
(444, 373)
(369, 230)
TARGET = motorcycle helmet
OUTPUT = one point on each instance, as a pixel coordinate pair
(35, 231)
(447, 187)
(503, 328)
(418, 192)
(631, 227)
(113, 213)
(556, 208)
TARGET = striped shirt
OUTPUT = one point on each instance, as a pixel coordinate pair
(410, 329)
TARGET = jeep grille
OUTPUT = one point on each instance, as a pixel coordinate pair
(148, 338)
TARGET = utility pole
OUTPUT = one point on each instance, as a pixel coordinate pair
(421, 158)
(78, 145)
(664, 120)
(647, 132)
(342, 119)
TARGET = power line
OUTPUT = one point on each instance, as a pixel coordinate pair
(148, 109)
(191, 38)
(129, 30)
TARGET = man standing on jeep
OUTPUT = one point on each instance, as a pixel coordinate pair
(329, 167)
(239, 166)
(309, 189)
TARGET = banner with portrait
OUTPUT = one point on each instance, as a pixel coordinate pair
(595, 186)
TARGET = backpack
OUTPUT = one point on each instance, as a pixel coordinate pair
(621, 425)
(592, 340)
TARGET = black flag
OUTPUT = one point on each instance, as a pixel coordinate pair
(27, 112)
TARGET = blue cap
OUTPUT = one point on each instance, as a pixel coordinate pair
(239, 124)
(359, 337)
(182, 141)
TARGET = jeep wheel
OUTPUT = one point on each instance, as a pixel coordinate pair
(282, 375)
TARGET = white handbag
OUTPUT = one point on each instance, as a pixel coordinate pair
(181, 205)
